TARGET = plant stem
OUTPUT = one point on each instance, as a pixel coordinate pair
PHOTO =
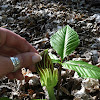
(59, 80)
(51, 93)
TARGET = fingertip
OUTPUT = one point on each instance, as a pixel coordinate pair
(28, 59)
(36, 58)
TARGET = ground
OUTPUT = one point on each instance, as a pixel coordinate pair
(36, 21)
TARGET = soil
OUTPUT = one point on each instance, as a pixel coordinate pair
(36, 21)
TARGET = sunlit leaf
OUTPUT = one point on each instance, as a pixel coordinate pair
(64, 41)
(83, 69)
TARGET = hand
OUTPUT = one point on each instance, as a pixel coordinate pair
(12, 44)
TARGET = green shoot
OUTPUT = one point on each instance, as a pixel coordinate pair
(48, 75)
(64, 42)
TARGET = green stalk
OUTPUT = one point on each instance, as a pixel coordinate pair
(51, 93)
(59, 81)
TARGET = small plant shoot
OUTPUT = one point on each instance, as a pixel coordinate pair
(48, 75)
(64, 42)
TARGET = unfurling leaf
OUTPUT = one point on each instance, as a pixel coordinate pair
(64, 41)
(46, 62)
(83, 69)
(48, 78)
(48, 75)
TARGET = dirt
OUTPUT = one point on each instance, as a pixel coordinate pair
(36, 21)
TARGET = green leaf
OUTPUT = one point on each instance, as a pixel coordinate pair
(4, 98)
(48, 75)
(83, 69)
(64, 41)
(54, 58)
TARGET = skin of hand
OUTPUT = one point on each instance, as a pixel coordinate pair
(11, 45)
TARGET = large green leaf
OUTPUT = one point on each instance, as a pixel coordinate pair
(83, 69)
(64, 41)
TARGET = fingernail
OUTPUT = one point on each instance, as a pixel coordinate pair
(36, 58)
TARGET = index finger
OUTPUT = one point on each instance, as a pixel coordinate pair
(11, 39)
(26, 60)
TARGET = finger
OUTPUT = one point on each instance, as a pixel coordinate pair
(7, 51)
(32, 68)
(10, 76)
(26, 60)
(16, 75)
(11, 39)
(5, 66)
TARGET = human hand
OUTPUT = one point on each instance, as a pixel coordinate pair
(12, 44)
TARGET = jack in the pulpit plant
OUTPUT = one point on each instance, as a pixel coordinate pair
(48, 75)
(64, 42)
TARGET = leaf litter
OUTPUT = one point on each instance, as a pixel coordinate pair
(36, 21)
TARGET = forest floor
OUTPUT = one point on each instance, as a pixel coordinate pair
(36, 21)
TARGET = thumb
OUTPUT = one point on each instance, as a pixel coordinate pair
(26, 59)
